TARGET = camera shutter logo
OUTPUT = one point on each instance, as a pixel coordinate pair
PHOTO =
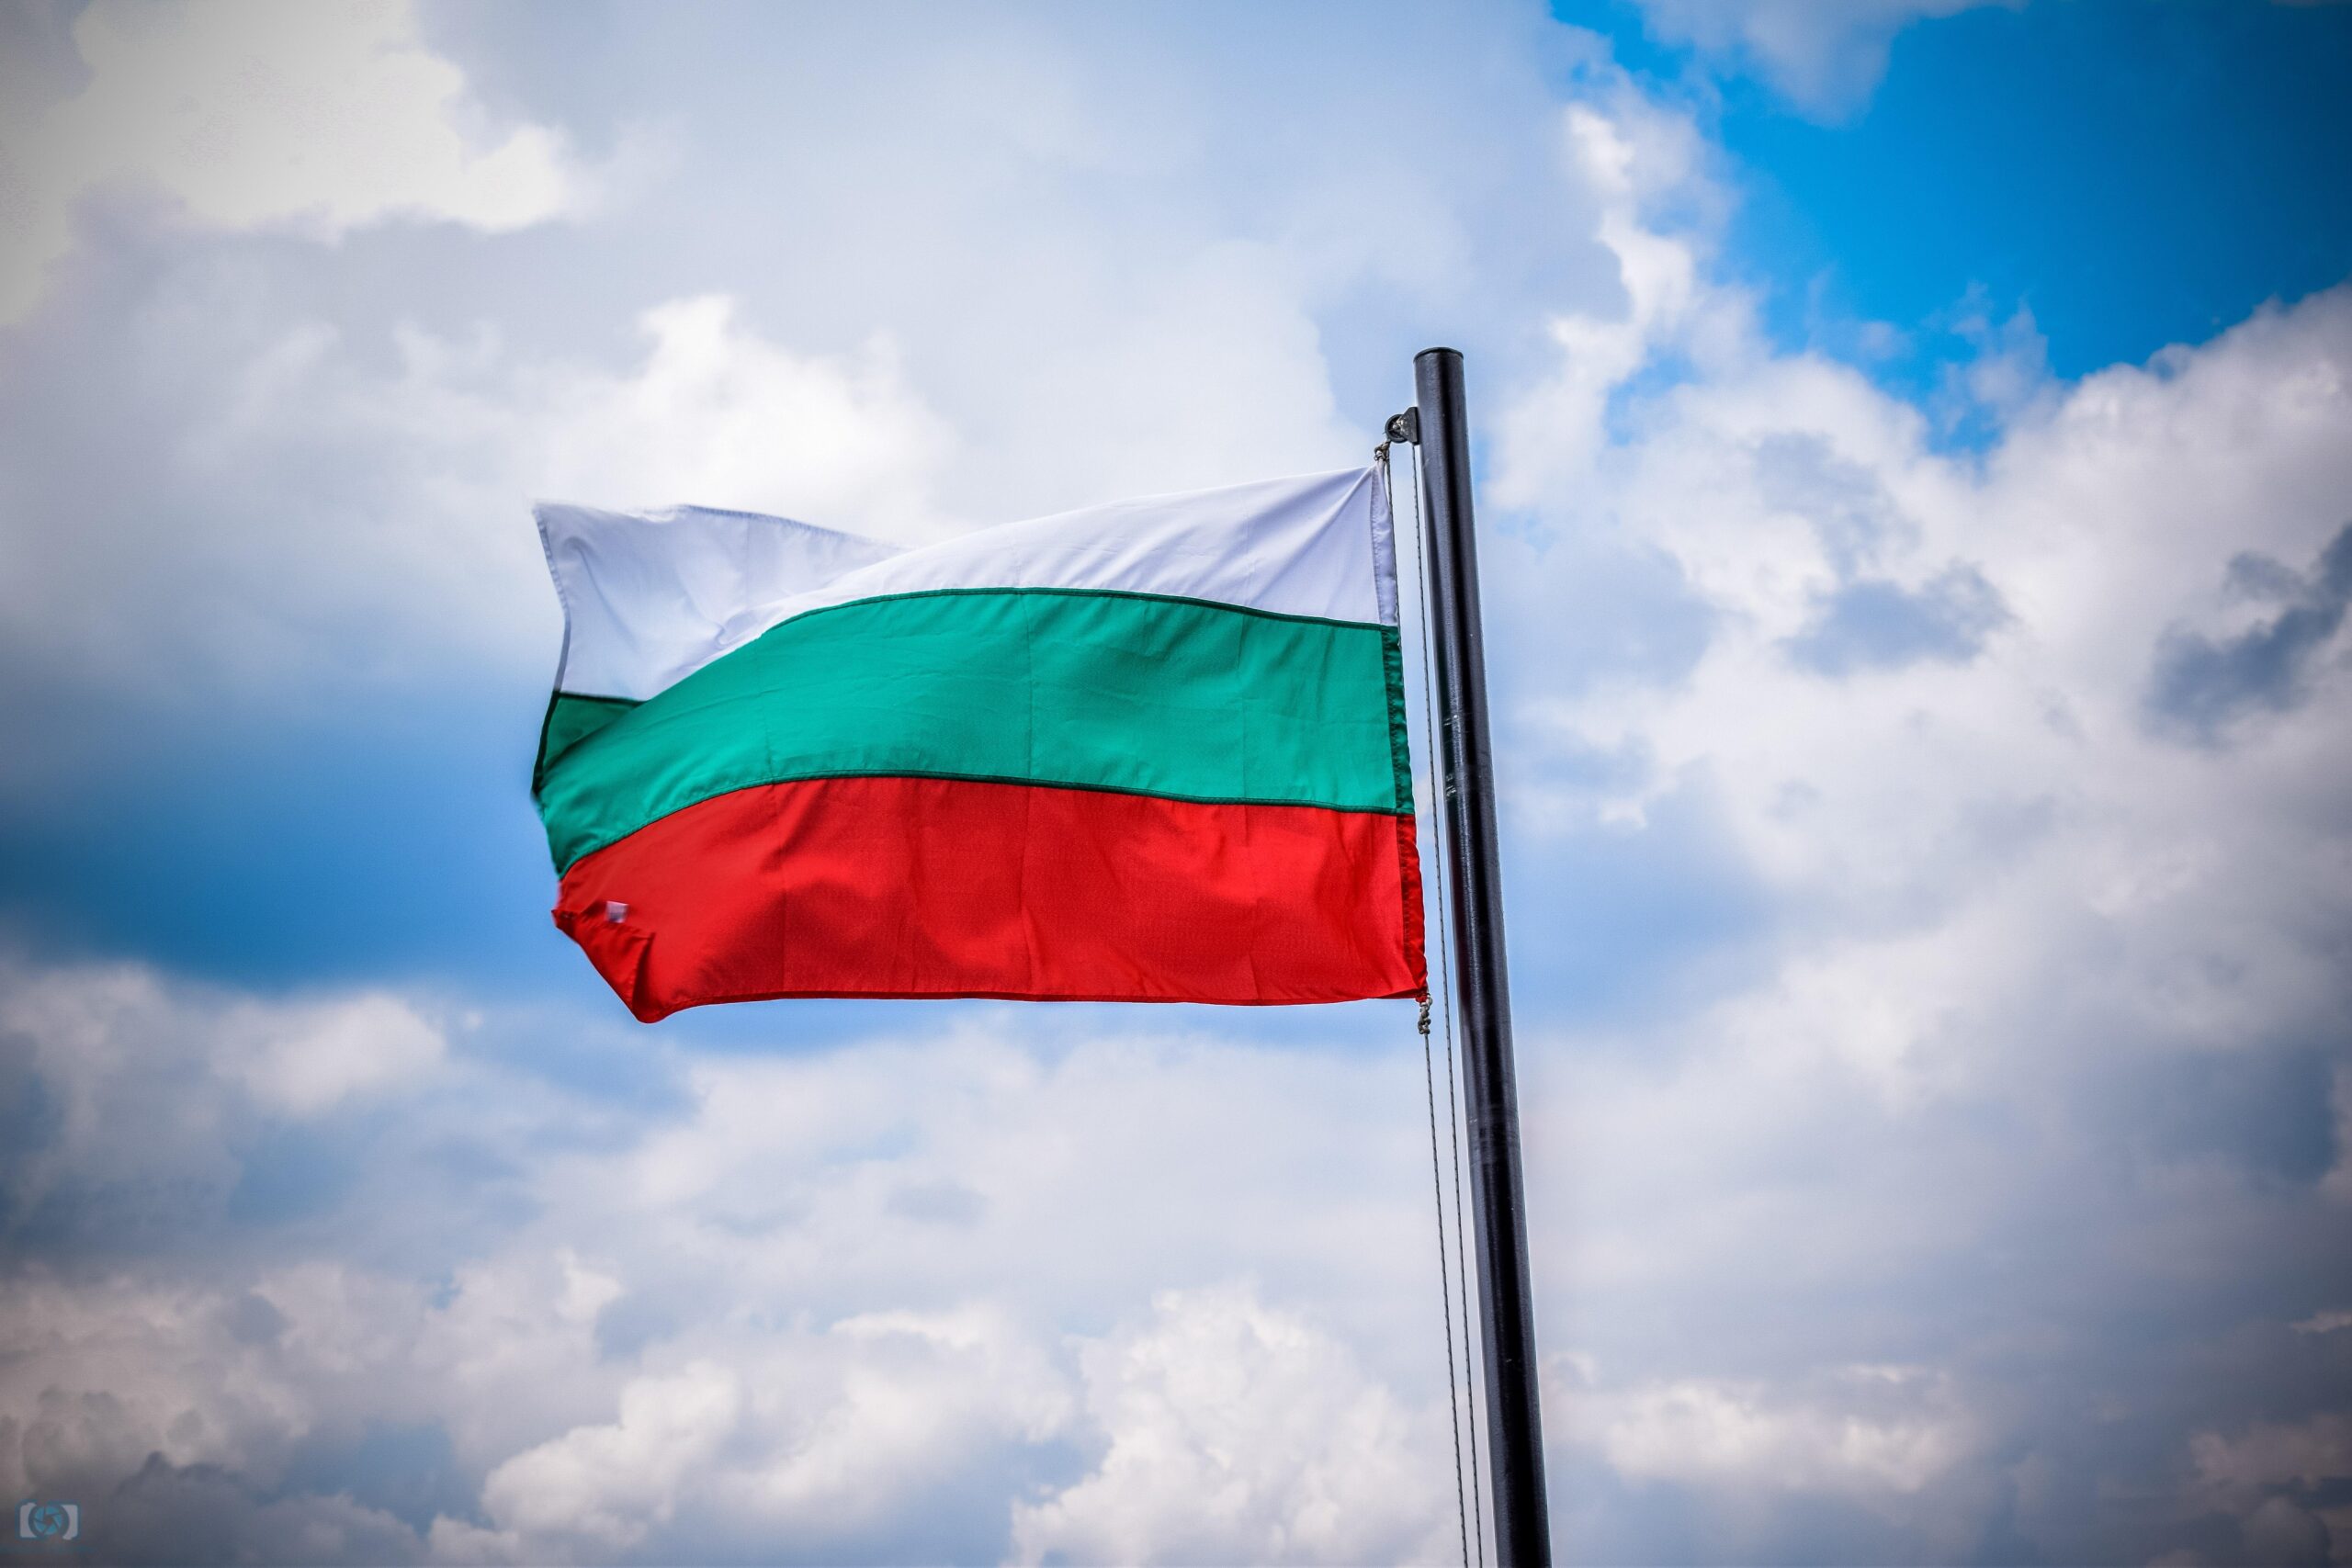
(49, 1521)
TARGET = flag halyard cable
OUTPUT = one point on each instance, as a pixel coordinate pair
(1461, 1393)
(1444, 1290)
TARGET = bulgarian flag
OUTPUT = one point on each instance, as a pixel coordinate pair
(1152, 752)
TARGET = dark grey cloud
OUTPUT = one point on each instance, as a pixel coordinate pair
(2201, 687)
(207, 1514)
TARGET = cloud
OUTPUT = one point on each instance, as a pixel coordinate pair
(2201, 686)
(340, 491)
(2311, 1453)
(711, 1322)
(234, 586)
(1990, 625)
(261, 496)
(1239, 1434)
(172, 1514)
(814, 1438)
(317, 119)
(201, 1074)
(1825, 55)
(2003, 915)
(2267, 1476)
(609, 1484)
(1869, 623)
(317, 1057)
(1884, 1430)
(717, 412)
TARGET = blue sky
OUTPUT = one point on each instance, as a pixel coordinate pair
(1917, 500)
(2131, 177)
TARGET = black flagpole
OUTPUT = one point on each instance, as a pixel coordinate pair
(1514, 1421)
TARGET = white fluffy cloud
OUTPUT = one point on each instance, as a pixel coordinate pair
(796, 1305)
(432, 564)
(716, 410)
(150, 1092)
(803, 1434)
(1884, 1430)
(1932, 710)
(2022, 749)
(612, 1484)
(319, 119)
(998, 270)
(1237, 1433)
(316, 1057)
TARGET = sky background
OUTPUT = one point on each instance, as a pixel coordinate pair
(1914, 451)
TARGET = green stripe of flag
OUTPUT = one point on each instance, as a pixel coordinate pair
(1120, 692)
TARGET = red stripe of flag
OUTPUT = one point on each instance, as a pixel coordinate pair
(932, 888)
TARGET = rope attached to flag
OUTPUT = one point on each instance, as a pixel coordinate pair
(1463, 1394)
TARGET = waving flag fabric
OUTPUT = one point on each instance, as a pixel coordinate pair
(1152, 751)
